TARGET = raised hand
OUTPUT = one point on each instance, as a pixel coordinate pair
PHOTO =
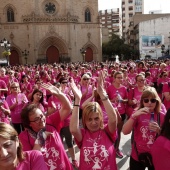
(76, 90)
(51, 88)
(100, 84)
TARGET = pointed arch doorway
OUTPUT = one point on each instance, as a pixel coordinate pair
(89, 55)
(14, 58)
(52, 55)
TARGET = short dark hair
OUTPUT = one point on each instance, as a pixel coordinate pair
(25, 113)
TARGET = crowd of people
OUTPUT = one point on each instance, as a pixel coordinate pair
(89, 104)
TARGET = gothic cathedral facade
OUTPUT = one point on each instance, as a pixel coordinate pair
(53, 31)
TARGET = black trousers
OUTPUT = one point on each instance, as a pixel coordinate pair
(136, 165)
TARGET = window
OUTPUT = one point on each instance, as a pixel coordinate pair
(10, 15)
(87, 15)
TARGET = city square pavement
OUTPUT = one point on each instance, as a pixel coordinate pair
(122, 164)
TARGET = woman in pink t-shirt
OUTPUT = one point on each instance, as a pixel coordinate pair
(4, 111)
(16, 101)
(86, 89)
(38, 99)
(118, 95)
(146, 125)
(134, 94)
(161, 148)
(42, 133)
(95, 140)
(12, 156)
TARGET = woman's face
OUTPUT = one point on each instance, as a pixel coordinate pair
(140, 81)
(93, 122)
(37, 120)
(150, 103)
(8, 153)
(119, 78)
(15, 88)
(85, 81)
(37, 96)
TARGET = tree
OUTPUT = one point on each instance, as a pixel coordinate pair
(116, 46)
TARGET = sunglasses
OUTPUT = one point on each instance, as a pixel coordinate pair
(165, 75)
(151, 100)
(85, 79)
(140, 80)
(14, 87)
(64, 82)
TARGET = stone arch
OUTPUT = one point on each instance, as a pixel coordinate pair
(92, 51)
(6, 9)
(88, 7)
(47, 42)
(15, 57)
(91, 12)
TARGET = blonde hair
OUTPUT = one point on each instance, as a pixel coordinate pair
(151, 92)
(88, 110)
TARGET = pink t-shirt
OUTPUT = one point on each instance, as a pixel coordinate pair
(2, 86)
(154, 73)
(97, 150)
(33, 161)
(15, 112)
(161, 153)
(111, 91)
(89, 93)
(132, 77)
(3, 117)
(142, 135)
(54, 152)
(166, 88)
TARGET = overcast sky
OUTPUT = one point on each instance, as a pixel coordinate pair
(148, 5)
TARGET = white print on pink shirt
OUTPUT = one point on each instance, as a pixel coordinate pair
(97, 164)
(96, 154)
(146, 136)
(53, 155)
(151, 139)
(144, 130)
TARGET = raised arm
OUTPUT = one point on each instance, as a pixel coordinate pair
(111, 112)
(65, 103)
(74, 122)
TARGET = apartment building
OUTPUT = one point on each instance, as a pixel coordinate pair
(110, 20)
(129, 9)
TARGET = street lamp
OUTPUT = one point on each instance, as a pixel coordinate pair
(6, 45)
(25, 53)
(83, 52)
(162, 48)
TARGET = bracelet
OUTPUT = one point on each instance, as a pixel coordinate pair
(76, 105)
(133, 118)
(106, 98)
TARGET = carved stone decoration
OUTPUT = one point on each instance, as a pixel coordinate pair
(32, 18)
(11, 36)
(89, 35)
(51, 29)
(50, 8)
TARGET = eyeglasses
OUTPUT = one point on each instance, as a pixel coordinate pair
(119, 77)
(141, 80)
(165, 75)
(38, 119)
(85, 79)
(64, 82)
(151, 100)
